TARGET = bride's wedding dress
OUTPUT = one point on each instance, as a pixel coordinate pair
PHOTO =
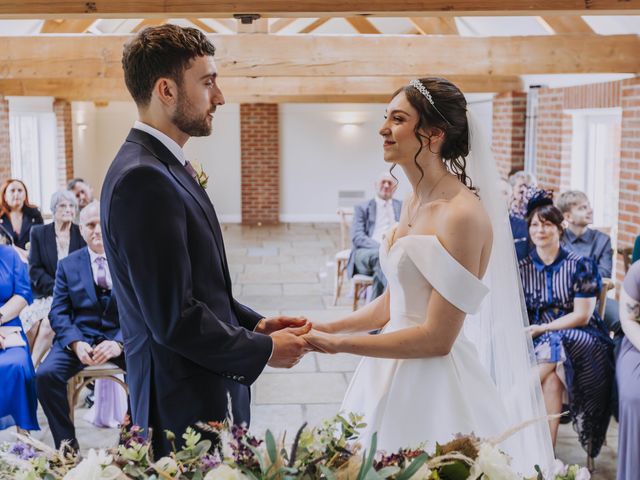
(409, 401)
(488, 382)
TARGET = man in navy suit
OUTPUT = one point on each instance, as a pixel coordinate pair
(190, 345)
(84, 317)
(371, 220)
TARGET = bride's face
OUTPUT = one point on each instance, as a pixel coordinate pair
(400, 142)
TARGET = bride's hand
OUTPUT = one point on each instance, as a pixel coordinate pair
(323, 342)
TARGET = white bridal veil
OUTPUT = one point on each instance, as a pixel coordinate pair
(498, 329)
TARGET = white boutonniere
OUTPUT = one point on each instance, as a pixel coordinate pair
(201, 176)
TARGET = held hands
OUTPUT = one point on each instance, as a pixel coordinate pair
(323, 342)
(289, 346)
(270, 325)
(99, 355)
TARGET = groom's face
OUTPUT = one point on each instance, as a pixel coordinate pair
(198, 98)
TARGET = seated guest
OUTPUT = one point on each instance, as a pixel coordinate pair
(82, 190)
(523, 186)
(572, 345)
(17, 215)
(49, 243)
(628, 377)
(85, 320)
(584, 241)
(18, 400)
(371, 220)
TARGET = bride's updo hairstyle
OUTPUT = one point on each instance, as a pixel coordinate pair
(448, 115)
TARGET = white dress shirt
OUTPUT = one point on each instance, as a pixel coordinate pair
(93, 256)
(385, 218)
(167, 141)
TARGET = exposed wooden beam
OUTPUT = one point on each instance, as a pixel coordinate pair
(99, 56)
(565, 25)
(271, 89)
(307, 8)
(77, 25)
(201, 25)
(149, 22)
(362, 25)
(280, 24)
(315, 24)
(435, 25)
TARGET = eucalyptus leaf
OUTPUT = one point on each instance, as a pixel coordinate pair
(271, 446)
(413, 467)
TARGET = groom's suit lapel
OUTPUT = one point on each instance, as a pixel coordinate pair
(187, 182)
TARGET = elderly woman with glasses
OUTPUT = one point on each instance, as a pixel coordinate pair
(49, 243)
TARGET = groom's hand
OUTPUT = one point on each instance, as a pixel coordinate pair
(274, 324)
(289, 346)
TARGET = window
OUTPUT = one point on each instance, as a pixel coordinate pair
(595, 162)
(32, 129)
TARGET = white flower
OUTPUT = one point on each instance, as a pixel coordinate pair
(422, 473)
(224, 472)
(92, 468)
(493, 463)
(226, 440)
(558, 468)
(583, 474)
(166, 465)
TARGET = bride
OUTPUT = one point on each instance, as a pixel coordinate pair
(452, 356)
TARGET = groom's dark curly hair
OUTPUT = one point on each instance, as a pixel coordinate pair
(164, 51)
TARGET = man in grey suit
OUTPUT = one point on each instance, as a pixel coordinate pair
(371, 220)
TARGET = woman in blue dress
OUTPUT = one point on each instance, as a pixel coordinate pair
(18, 401)
(573, 350)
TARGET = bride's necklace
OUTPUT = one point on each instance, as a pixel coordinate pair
(420, 203)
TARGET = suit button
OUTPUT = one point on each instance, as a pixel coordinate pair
(241, 378)
(234, 377)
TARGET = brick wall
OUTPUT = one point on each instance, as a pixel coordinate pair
(64, 127)
(5, 151)
(629, 197)
(549, 137)
(260, 163)
(509, 111)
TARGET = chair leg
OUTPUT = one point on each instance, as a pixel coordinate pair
(356, 296)
(70, 389)
(338, 285)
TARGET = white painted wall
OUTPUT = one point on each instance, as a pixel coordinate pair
(99, 133)
(319, 154)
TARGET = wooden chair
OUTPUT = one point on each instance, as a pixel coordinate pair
(607, 284)
(360, 284)
(90, 374)
(626, 254)
(342, 257)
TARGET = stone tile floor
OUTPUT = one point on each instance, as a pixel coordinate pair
(288, 269)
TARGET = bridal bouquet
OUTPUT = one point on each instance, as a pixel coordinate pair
(329, 452)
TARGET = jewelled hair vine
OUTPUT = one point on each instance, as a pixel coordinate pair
(417, 84)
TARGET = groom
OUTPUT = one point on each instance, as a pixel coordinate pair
(190, 347)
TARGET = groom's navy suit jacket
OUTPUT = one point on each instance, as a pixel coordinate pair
(188, 344)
